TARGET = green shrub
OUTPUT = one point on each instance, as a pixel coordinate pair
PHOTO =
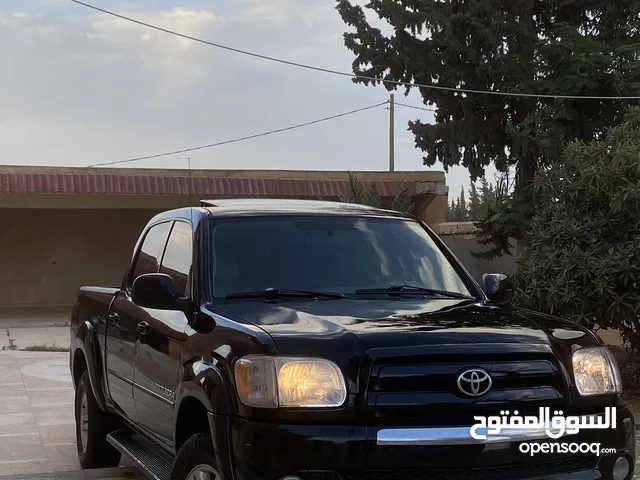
(583, 257)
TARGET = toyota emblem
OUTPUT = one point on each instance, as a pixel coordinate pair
(474, 382)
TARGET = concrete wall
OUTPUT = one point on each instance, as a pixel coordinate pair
(48, 252)
(434, 210)
(46, 255)
(461, 238)
(461, 245)
(431, 209)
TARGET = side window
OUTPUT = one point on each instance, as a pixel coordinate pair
(151, 250)
(177, 257)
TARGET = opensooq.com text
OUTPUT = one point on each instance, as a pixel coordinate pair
(552, 447)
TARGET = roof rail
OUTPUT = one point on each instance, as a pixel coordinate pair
(263, 203)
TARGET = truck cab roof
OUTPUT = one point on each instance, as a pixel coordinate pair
(268, 206)
(294, 206)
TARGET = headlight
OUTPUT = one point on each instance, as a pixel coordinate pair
(596, 372)
(264, 381)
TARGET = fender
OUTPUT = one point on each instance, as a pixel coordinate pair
(86, 341)
(205, 382)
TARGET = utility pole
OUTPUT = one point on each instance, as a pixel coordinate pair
(391, 133)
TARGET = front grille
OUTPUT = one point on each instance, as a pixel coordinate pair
(425, 389)
(503, 472)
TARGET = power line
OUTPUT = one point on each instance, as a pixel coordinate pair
(249, 137)
(417, 108)
(352, 75)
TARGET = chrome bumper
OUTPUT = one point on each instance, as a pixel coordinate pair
(453, 436)
(462, 435)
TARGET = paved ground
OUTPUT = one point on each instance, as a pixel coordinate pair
(36, 422)
(29, 337)
(31, 327)
(35, 316)
(37, 427)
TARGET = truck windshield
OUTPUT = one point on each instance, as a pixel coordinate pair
(327, 253)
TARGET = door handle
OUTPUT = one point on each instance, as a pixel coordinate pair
(114, 318)
(143, 328)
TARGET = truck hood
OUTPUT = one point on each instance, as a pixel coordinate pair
(298, 326)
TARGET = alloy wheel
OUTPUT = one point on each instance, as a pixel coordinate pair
(203, 472)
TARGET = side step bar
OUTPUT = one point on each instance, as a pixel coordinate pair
(136, 448)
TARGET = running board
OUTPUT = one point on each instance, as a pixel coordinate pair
(115, 473)
(142, 454)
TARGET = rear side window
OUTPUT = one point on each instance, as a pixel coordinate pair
(151, 250)
(177, 257)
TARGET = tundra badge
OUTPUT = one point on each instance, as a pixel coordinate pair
(166, 392)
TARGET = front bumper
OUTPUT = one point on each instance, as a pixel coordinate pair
(263, 451)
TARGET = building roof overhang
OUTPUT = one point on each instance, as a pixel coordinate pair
(209, 183)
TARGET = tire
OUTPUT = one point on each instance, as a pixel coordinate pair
(197, 452)
(97, 453)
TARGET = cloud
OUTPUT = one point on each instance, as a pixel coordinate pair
(81, 87)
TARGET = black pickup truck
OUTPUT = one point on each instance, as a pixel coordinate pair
(304, 340)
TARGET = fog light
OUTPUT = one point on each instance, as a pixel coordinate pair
(621, 468)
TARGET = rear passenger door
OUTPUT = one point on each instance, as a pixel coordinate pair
(123, 320)
(157, 353)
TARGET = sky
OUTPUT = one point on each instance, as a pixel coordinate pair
(80, 87)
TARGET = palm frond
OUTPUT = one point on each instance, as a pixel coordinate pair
(354, 193)
(402, 201)
(357, 193)
(372, 196)
(357, 189)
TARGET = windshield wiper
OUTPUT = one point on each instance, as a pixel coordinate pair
(411, 290)
(274, 293)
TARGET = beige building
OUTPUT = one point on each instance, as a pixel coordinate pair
(67, 227)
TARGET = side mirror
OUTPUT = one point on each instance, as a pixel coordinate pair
(156, 290)
(498, 288)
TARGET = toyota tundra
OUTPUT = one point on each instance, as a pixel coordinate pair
(312, 340)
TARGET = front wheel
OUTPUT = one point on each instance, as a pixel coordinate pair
(196, 460)
(92, 427)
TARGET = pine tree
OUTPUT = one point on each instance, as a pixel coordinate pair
(492, 195)
(475, 207)
(550, 47)
(451, 211)
(462, 203)
(485, 194)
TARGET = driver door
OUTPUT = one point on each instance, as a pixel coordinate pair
(159, 341)
(123, 320)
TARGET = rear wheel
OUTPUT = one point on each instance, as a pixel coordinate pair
(196, 460)
(92, 427)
